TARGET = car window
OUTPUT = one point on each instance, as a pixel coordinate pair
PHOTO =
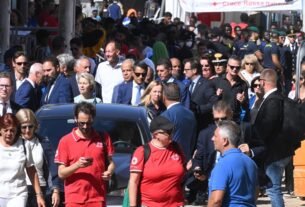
(125, 135)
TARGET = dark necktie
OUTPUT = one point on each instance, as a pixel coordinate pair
(4, 110)
(192, 87)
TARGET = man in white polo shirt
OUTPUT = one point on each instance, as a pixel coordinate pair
(109, 73)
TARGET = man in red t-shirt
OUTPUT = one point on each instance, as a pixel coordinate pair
(81, 156)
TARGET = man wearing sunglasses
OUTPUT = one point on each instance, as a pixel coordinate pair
(234, 90)
(20, 69)
(131, 92)
(205, 155)
(82, 156)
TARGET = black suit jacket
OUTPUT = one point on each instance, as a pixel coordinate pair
(74, 86)
(202, 100)
(266, 130)
(15, 107)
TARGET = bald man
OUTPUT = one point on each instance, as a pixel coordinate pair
(28, 94)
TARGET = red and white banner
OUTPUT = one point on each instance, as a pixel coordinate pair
(239, 5)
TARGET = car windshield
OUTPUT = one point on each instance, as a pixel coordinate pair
(125, 135)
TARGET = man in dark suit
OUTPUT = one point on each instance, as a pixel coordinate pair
(6, 89)
(183, 118)
(81, 65)
(127, 68)
(131, 92)
(28, 94)
(203, 95)
(58, 88)
(205, 156)
(164, 70)
(274, 150)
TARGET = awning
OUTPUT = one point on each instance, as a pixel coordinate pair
(239, 5)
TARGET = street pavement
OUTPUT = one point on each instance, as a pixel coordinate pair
(290, 201)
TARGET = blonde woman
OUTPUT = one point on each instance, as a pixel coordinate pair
(43, 157)
(152, 99)
(251, 68)
(16, 162)
(86, 86)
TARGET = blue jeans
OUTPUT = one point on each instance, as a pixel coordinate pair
(275, 173)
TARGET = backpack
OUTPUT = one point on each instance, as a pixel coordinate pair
(146, 155)
(293, 119)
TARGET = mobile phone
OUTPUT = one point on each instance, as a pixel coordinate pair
(88, 159)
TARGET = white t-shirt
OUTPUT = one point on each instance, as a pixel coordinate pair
(108, 77)
(37, 153)
(13, 161)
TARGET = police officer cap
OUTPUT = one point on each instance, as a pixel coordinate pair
(253, 29)
(161, 123)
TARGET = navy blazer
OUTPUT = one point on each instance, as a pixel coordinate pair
(185, 127)
(124, 93)
(202, 100)
(206, 154)
(74, 86)
(27, 96)
(61, 92)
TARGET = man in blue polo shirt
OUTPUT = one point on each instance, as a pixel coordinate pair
(233, 180)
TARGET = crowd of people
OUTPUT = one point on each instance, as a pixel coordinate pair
(213, 96)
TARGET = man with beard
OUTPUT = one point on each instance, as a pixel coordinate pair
(28, 94)
(57, 86)
(82, 156)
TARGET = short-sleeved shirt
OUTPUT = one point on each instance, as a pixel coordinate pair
(236, 174)
(86, 184)
(269, 50)
(252, 47)
(14, 160)
(162, 176)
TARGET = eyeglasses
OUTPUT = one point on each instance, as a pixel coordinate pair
(27, 126)
(4, 86)
(83, 123)
(216, 119)
(256, 85)
(142, 74)
(205, 66)
(234, 67)
(21, 63)
(293, 80)
(249, 63)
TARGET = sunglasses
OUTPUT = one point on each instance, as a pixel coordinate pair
(140, 74)
(216, 119)
(83, 123)
(21, 63)
(293, 80)
(256, 85)
(249, 63)
(164, 132)
(27, 126)
(205, 66)
(232, 67)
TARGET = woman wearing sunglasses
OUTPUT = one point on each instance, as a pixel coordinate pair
(302, 88)
(16, 163)
(43, 157)
(251, 68)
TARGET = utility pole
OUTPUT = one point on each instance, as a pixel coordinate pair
(67, 19)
